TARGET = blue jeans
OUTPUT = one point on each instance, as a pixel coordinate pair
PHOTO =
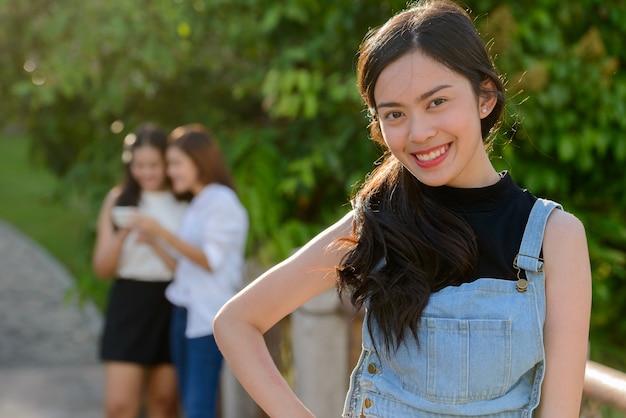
(198, 362)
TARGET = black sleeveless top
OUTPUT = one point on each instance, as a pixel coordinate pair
(498, 216)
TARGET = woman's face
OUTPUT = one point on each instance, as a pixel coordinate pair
(430, 118)
(148, 168)
(182, 172)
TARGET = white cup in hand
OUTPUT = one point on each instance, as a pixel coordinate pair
(123, 215)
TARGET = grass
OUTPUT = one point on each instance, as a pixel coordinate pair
(30, 201)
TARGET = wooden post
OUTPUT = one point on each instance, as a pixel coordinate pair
(320, 336)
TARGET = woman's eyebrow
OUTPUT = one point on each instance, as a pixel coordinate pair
(433, 91)
(423, 97)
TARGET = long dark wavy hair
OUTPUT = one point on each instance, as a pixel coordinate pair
(146, 135)
(405, 245)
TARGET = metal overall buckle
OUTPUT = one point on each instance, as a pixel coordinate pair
(522, 284)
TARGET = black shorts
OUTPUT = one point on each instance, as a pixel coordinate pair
(137, 323)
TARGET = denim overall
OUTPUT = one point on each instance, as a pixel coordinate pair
(480, 350)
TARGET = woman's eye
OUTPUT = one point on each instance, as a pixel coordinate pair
(394, 115)
(437, 102)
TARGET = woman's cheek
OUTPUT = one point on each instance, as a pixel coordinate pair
(392, 136)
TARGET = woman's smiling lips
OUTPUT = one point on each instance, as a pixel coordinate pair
(431, 157)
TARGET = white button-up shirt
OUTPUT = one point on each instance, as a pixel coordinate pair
(216, 222)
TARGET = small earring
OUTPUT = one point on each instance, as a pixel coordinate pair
(484, 110)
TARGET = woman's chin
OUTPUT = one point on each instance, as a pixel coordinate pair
(179, 188)
(153, 187)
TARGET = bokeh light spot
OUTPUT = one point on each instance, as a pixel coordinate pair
(117, 126)
(38, 78)
(184, 30)
(129, 140)
(198, 5)
(30, 66)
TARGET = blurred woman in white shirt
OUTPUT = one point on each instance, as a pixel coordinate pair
(211, 246)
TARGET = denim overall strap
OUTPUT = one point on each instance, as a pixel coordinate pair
(529, 259)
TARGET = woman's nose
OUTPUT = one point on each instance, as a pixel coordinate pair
(421, 128)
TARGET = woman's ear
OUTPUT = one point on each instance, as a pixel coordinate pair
(488, 97)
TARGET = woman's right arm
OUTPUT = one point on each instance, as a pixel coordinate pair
(241, 323)
(109, 242)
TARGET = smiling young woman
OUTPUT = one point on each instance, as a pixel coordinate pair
(430, 121)
(477, 292)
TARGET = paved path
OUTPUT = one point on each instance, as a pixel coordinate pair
(48, 344)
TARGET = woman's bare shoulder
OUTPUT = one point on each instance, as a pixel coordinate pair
(565, 249)
(562, 223)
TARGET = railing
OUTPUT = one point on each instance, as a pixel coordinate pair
(603, 387)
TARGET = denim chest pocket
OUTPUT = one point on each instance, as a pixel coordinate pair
(457, 360)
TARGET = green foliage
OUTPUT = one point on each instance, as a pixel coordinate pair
(275, 81)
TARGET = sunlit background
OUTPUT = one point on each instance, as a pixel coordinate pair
(275, 81)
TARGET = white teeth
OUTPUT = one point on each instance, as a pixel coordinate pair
(432, 155)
